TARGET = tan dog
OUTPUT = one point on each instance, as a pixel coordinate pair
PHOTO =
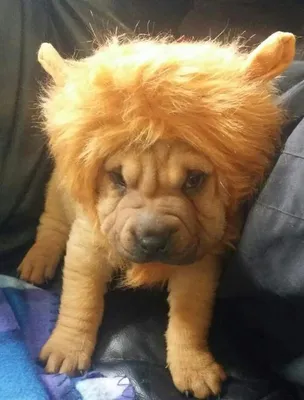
(156, 144)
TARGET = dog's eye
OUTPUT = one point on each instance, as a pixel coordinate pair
(194, 180)
(117, 178)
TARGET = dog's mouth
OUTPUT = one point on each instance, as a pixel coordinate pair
(186, 257)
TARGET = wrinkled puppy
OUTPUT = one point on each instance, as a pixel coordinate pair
(156, 144)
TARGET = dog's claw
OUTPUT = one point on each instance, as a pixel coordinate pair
(188, 394)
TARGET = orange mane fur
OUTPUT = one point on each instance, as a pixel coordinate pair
(137, 92)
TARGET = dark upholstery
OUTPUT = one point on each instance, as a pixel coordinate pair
(131, 337)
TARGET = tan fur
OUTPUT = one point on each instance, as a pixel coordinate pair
(155, 110)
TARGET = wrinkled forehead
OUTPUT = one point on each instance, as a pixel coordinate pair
(168, 156)
(163, 152)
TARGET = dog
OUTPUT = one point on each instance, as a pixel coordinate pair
(156, 143)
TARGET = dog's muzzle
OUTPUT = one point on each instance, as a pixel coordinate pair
(153, 246)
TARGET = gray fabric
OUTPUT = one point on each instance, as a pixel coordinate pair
(272, 246)
(23, 164)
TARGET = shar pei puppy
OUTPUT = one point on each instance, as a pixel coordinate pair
(156, 144)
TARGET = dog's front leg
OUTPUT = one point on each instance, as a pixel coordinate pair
(40, 263)
(191, 298)
(85, 277)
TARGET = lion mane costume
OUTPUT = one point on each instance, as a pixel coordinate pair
(156, 145)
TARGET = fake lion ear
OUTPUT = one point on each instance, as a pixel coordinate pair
(271, 57)
(52, 63)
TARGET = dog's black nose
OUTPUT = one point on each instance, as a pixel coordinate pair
(154, 243)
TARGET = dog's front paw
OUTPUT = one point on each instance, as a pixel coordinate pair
(38, 266)
(67, 353)
(196, 373)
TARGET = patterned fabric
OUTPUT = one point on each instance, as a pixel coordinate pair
(27, 316)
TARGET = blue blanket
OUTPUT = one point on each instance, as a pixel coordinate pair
(27, 316)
